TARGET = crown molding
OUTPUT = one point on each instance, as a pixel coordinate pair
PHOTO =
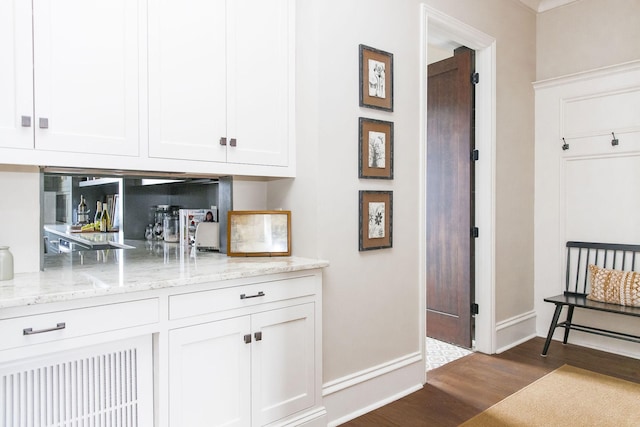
(544, 5)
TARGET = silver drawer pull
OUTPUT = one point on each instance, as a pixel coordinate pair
(30, 331)
(245, 296)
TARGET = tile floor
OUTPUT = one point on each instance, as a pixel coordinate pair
(440, 353)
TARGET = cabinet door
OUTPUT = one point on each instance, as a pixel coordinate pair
(261, 80)
(187, 79)
(209, 374)
(283, 362)
(16, 74)
(86, 71)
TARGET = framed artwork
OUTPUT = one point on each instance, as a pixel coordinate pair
(259, 233)
(376, 78)
(376, 220)
(375, 158)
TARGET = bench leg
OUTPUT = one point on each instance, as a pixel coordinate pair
(554, 324)
(567, 322)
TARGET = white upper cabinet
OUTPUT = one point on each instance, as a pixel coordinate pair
(223, 90)
(187, 79)
(86, 76)
(260, 72)
(16, 75)
(187, 86)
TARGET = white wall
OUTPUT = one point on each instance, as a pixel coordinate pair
(20, 215)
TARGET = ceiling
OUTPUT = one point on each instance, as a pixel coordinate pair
(543, 5)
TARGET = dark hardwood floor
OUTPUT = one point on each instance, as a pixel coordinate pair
(461, 389)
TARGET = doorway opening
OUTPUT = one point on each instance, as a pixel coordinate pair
(441, 29)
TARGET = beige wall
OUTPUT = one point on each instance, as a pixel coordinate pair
(371, 307)
(586, 35)
(371, 312)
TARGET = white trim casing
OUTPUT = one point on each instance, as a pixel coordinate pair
(485, 46)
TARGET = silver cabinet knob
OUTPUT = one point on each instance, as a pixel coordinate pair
(223, 141)
(43, 123)
(233, 142)
(25, 121)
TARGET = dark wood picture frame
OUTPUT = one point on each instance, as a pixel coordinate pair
(258, 233)
(376, 78)
(375, 220)
(375, 155)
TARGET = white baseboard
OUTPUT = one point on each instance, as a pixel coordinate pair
(514, 331)
(595, 342)
(356, 394)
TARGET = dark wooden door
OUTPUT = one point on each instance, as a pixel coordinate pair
(450, 219)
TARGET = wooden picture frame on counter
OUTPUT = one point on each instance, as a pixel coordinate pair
(258, 233)
(375, 220)
(376, 78)
(375, 159)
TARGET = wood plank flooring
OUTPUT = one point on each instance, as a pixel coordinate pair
(465, 387)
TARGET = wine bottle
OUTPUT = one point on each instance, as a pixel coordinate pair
(105, 220)
(82, 211)
(98, 216)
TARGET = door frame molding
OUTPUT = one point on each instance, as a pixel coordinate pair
(436, 22)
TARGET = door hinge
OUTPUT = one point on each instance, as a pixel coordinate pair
(475, 155)
(475, 78)
(474, 309)
(475, 232)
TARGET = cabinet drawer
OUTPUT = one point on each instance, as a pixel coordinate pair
(42, 328)
(204, 302)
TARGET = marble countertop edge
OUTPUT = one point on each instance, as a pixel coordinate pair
(60, 284)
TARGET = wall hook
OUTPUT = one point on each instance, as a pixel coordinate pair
(614, 141)
(565, 146)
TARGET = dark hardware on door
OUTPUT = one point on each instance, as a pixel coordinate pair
(474, 309)
(475, 155)
(475, 232)
(565, 146)
(247, 339)
(223, 141)
(30, 331)
(614, 141)
(245, 296)
(233, 142)
(258, 336)
(475, 78)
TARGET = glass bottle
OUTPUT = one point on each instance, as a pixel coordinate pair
(83, 216)
(105, 221)
(97, 218)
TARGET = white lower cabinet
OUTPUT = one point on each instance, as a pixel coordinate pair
(251, 370)
(246, 352)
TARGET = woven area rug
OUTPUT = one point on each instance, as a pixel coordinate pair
(568, 396)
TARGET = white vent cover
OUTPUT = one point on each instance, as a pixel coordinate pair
(76, 389)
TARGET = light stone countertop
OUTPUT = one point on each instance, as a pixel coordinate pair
(150, 265)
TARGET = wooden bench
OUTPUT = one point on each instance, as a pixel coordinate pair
(577, 287)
